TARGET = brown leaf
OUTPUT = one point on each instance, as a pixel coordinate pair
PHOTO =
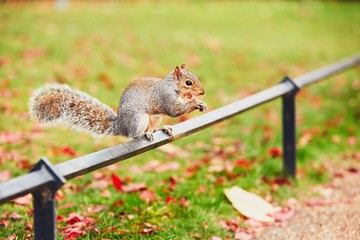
(106, 80)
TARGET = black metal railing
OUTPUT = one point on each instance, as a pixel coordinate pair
(45, 179)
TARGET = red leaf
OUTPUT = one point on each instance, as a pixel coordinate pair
(77, 226)
(170, 199)
(5, 175)
(277, 181)
(117, 182)
(244, 163)
(68, 151)
(60, 218)
(117, 203)
(275, 152)
(74, 218)
(148, 196)
(24, 164)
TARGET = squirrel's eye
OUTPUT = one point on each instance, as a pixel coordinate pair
(188, 83)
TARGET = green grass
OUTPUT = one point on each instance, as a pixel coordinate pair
(236, 48)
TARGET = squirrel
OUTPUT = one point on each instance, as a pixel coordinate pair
(142, 105)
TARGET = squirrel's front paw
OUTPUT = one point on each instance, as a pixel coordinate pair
(201, 106)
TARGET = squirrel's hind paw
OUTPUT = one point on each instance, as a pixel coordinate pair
(149, 136)
(168, 130)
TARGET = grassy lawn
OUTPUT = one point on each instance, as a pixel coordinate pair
(236, 48)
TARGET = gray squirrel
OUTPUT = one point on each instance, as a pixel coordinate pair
(142, 105)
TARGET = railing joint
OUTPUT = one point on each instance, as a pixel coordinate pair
(296, 88)
(44, 201)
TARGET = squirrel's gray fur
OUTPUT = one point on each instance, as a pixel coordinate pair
(141, 107)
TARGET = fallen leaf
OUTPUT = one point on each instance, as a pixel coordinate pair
(11, 137)
(24, 200)
(352, 170)
(4, 223)
(148, 196)
(68, 151)
(215, 238)
(351, 140)
(184, 202)
(78, 225)
(15, 215)
(173, 150)
(244, 163)
(99, 184)
(106, 80)
(95, 209)
(133, 187)
(170, 199)
(275, 152)
(117, 182)
(284, 213)
(74, 217)
(12, 237)
(5, 175)
(255, 223)
(157, 166)
(249, 204)
(24, 164)
(243, 235)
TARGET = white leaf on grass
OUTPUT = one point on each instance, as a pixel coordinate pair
(250, 204)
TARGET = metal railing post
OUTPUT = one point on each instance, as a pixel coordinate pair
(44, 202)
(289, 130)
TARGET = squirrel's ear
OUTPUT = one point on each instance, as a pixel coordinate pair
(177, 73)
(183, 66)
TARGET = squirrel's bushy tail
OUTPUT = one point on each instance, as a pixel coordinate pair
(60, 104)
